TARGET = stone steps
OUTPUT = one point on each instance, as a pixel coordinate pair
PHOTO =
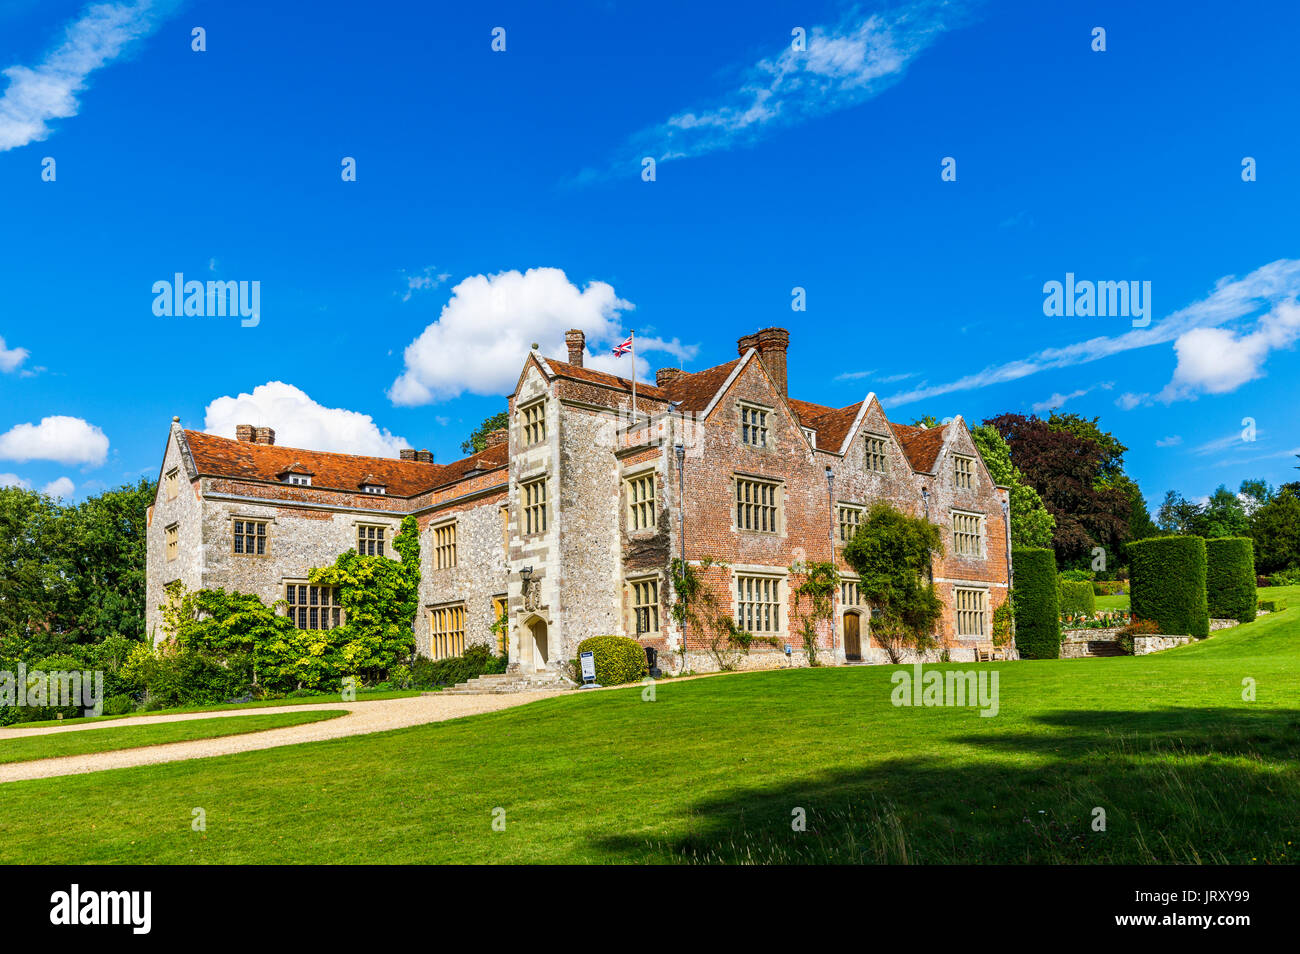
(499, 683)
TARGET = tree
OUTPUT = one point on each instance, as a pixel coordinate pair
(1223, 515)
(1070, 473)
(30, 585)
(891, 553)
(927, 421)
(1254, 494)
(1275, 528)
(1031, 524)
(1140, 524)
(103, 559)
(1112, 451)
(1177, 514)
(477, 441)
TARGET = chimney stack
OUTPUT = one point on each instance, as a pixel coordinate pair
(406, 453)
(577, 341)
(264, 435)
(494, 438)
(664, 377)
(424, 456)
(244, 432)
(772, 344)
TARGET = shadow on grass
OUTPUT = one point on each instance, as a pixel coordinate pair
(1175, 785)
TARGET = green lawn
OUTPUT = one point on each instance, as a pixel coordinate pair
(363, 695)
(1117, 602)
(1185, 770)
(29, 748)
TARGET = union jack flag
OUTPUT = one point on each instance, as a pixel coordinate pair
(624, 348)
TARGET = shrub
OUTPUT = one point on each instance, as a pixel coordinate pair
(1077, 597)
(1003, 617)
(1138, 627)
(1077, 576)
(1038, 615)
(477, 660)
(1271, 606)
(119, 704)
(1168, 584)
(618, 659)
(1289, 577)
(1230, 578)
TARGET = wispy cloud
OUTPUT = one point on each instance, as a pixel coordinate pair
(1172, 441)
(11, 359)
(1059, 400)
(36, 96)
(841, 66)
(427, 280)
(1232, 298)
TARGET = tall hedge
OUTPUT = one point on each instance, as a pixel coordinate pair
(1230, 578)
(1038, 612)
(1168, 584)
(1077, 598)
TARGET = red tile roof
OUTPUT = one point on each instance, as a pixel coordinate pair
(920, 444)
(562, 369)
(222, 457)
(833, 426)
(695, 391)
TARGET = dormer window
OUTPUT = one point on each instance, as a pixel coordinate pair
(370, 484)
(809, 433)
(372, 489)
(296, 474)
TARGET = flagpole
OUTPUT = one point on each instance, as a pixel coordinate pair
(632, 338)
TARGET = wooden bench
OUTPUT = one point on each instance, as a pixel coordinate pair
(987, 652)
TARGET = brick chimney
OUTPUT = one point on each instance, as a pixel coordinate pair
(406, 453)
(254, 435)
(494, 438)
(664, 377)
(577, 341)
(424, 456)
(772, 344)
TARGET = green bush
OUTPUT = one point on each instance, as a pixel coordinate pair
(618, 659)
(1168, 584)
(1109, 587)
(1285, 577)
(1077, 575)
(1230, 578)
(1038, 615)
(1271, 606)
(119, 704)
(477, 660)
(1077, 597)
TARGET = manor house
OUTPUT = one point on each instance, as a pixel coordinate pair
(566, 523)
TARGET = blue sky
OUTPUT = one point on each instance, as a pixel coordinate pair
(500, 198)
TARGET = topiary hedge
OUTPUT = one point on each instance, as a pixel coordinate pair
(1077, 598)
(1230, 578)
(1038, 614)
(1168, 584)
(618, 659)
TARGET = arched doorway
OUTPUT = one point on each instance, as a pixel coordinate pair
(540, 644)
(852, 636)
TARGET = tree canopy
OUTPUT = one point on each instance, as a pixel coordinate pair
(477, 441)
(1031, 524)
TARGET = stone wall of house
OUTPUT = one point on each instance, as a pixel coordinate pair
(479, 576)
(184, 511)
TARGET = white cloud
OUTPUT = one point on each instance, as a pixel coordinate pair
(36, 96)
(65, 440)
(11, 358)
(845, 64)
(13, 480)
(1218, 361)
(1232, 298)
(1172, 441)
(59, 487)
(299, 421)
(481, 338)
(1059, 400)
(425, 281)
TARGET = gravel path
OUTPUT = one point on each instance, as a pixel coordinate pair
(363, 717)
